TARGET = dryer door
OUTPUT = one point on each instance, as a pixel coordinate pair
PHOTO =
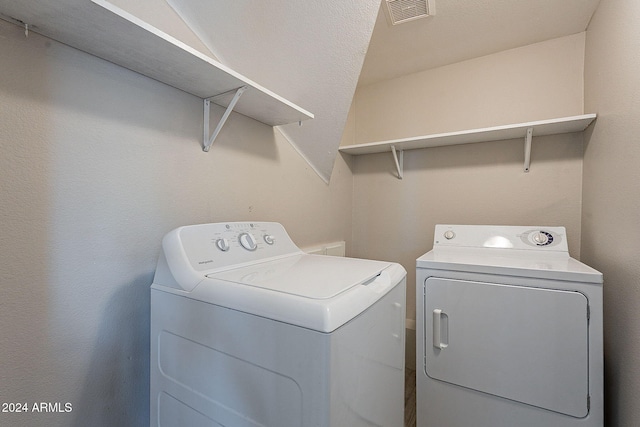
(520, 343)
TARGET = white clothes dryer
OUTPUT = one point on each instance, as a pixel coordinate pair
(247, 330)
(509, 330)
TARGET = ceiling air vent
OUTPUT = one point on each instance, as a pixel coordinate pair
(399, 11)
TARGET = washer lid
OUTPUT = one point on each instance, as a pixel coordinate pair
(307, 276)
(312, 291)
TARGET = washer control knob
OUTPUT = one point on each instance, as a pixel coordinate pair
(269, 239)
(222, 244)
(540, 238)
(449, 234)
(248, 241)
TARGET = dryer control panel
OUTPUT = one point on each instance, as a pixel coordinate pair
(501, 237)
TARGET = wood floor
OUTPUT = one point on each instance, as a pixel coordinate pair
(409, 398)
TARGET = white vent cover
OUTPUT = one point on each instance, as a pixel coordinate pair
(399, 11)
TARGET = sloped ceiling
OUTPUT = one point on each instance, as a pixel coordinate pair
(463, 29)
(310, 52)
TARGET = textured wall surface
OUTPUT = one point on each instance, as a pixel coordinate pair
(310, 52)
(468, 184)
(535, 82)
(611, 210)
(97, 164)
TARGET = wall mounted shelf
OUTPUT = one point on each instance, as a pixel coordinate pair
(108, 32)
(496, 133)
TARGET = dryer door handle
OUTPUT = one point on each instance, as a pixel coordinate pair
(440, 320)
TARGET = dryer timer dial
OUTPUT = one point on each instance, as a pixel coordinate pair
(542, 238)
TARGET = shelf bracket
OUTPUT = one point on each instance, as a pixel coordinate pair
(399, 159)
(527, 149)
(207, 139)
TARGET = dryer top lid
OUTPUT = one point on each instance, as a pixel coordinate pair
(506, 250)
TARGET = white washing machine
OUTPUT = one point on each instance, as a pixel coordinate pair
(247, 331)
(509, 330)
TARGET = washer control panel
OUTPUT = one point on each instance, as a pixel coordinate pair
(503, 237)
(222, 245)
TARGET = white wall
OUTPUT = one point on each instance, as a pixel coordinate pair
(539, 81)
(97, 164)
(611, 211)
(309, 52)
(468, 184)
